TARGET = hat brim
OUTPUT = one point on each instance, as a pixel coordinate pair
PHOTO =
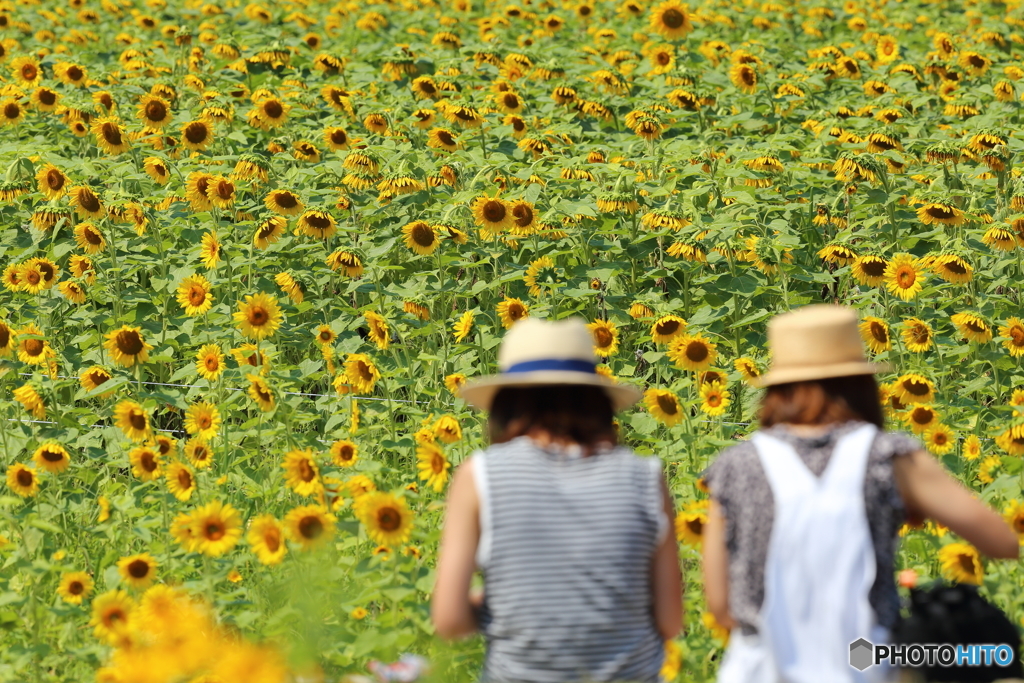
(479, 393)
(806, 374)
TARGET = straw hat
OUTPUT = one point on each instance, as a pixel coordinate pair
(536, 352)
(816, 342)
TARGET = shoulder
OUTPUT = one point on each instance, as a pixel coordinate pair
(889, 445)
(732, 463)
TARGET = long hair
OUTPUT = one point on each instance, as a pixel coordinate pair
(578, 413)
(823, 401)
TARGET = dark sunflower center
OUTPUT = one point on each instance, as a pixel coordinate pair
(874, 268)
(339, 137)
(286, 200)
(76, 588)
(603, 337)
(940, 439)
(148, 461)
(156, 111)
(75, 73)
(225, 190)
(311, 527)
(211, 363)
(264, 394)
(184, 479)
(667, 327)
(747, 76)
(214, 531)
(673, 18)
(137, 420)
(55, 179)
(47, 97)
(518, 125)
(50, 455)
(956, 267)
(922, 416)
(879, 332)
(111, 133)
(196, 132)
(1016, 336)
(306, 472)
(695, 526)
(668, 405)
(939, 212)
(25, 478)
(906, 277)
(88, 201)
(258, 316)
(33, 347)
(138, 569)
(129, 342)
(319, 221)
(966, 563)
(664, 58)
(272, 539)
(273, 109)
(196, 295)
(446, 138)
(697, 351)
(346, 453)
(5, 336)
(511, 100)
(915, 388)
(976, 327)
(200, 453)
(389, 519)
(523, 215)
(494, 211)
(33, 277)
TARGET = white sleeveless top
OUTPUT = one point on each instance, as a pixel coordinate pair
(819, 571)
(566, 549)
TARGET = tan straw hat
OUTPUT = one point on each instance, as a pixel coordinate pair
(816, 342)
(536, 352)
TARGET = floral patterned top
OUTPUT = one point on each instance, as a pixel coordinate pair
(738, 483)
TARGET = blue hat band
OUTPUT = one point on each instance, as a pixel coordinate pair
(552, 364)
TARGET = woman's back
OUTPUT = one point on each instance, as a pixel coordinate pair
(566, 548)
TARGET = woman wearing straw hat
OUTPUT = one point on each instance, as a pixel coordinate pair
(571, 532)
(800, 541)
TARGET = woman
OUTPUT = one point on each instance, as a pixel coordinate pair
(802, 529)
(571, 533)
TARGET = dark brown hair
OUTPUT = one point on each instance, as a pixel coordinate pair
(575, 412)
(823, 401)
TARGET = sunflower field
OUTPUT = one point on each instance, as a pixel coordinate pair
(251, 251)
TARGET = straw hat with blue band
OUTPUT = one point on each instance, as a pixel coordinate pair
(538, 352)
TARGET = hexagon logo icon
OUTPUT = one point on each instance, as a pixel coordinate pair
(862, 654)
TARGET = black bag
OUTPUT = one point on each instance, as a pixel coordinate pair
(958, 615)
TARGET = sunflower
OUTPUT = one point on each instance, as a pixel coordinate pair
(269, 231)
(917, 335)
(360, 372)
(692, 352)
(145, 462)
(132, 419)
(972, 327)
(32, 348)
(671, 19)
(987, 469)
(26, 71)
(666, 328)
(690, 523)
(1012, 441)
(89, 238)
(336, 138)
(940, 439)
(378, 332)
(1013, 336)
(443, 139)
(875, 333)
(903, 276)
(271, 112)
(344, 453)
(138, 571)
(216, 528)
(202, 420)
(914, 389)
(301, 472)
(387, 518)
(86, 202)
(181, 480)
(417, 309)
(952, 268)
(454, 381)
(52, 457)
(1000, 238)
(196, 186)
(960, 562)
(420, 237)
(1014, 515)
(154, 112)
(7, 339)
(492, 214)
(111, 615)
(127, 346)
(220, 192)
(934, 213)
(52, 181)
(109, 136)
(747, 368)
(511, 311)
(463, 326)
(260, 392)
(11, 112)
(664, 406)
(869, 270)
(310, 525)
(606, 337)
(197, 135)
(30, 399)
(23, 480)
(715, 398)
(971, 447)
(433, 466)
(744, 77)
(74, 587)
(194, 295)
(199, 453)
(210, 362)
(839, 254)
(921, 418)
(266, 538)
(541, 275)
(283, 202)
(259, 316)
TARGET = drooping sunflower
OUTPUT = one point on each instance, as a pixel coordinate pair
(904, 276)
(671, 19)
(511, 311)
(216, 528)
(715, 398)
(23, 480)
(283, 202)
(111, 615)
(259, 316)
(52, 457)
(127, 346)
(89, 238)
(302, 474)
(447, 429)
(420, 237)
(86, 202)
(310, 526)
(138, 571)
(875, 333)
(145, 462)
(132, 419)
(1013, 336)
(74, 587)
(914, 389)
(744, 77)
(433, 466)
(952, 268)
(934, 213)
(33, 349)
(988, 469)
(666, 328)
(195, 295)
(921, 418)
(261, 392)
(869, 270)
(453, 381)
(1012, 441)
(492, 214)
(269, 231)
(387, 517)
(606, 337)
(197, 135)
(30, 399)
(664, 406)
(210, 362)
(266, 538)
(361, 373)
(443, 139)
(317, 224)
(692, 352)
(972, 327)
(378, 333)
(747, 368)
(917, 335)
(960, 562)
(181, 480)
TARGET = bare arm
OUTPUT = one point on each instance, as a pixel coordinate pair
(928, 491)
(716, 567)
(667, 581)
(451, 608)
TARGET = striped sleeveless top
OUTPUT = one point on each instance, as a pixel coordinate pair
(566, 548)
